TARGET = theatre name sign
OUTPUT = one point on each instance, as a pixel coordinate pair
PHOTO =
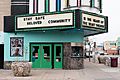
(61, 20)
(94, 21)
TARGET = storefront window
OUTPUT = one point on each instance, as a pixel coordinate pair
(77, 51)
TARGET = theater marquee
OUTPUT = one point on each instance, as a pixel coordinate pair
(93, 21)
(45, 21)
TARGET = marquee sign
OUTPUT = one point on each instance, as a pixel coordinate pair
(92, 21)
(45, 21)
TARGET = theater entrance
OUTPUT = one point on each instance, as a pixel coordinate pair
(46, 55)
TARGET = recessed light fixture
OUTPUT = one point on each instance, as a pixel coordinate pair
(43, 31)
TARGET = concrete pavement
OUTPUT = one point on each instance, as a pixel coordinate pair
(92, 71)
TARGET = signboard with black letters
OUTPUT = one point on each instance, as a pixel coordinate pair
(93, 21)
(45, 21)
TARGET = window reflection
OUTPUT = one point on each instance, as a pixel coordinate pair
(46, 53)
(58, 53)
(77, 51)
(85, 2)
(35, 52)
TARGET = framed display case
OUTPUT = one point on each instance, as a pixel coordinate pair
(16, 46)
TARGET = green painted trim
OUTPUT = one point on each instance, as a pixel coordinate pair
(92, 3)
(81, 18)
(100, 4)
(47, 6)
(94, 34)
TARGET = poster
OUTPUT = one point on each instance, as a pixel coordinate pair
(16, 46)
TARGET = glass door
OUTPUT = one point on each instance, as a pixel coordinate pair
(46, 56)
(58, 55)
(41, 55)
(35, 55)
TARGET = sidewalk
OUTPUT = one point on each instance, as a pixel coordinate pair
(92, 71)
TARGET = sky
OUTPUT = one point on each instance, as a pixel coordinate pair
(111, 8)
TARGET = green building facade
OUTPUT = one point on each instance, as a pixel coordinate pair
(51, 39)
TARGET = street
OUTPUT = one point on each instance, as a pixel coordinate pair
(92, 71)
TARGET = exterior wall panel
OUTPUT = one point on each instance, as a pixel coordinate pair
(9, 24)
(48, 37)
(19, 7)
(4, 10)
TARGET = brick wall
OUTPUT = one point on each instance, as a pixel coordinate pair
(70, 62)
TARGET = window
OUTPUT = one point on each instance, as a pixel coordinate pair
(97, 3)
(35, 52)
(46, 53)
(77, 51)
(92, 3)
(63, 4)
(85, 2)
(58, 53)
(41, 6)
(72, 3)
(30, 6)
(36, 6)
(52, 5)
